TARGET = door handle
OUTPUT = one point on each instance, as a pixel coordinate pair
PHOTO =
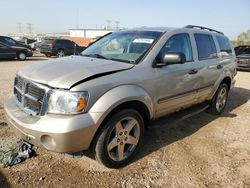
(219, 66)
(193, 71)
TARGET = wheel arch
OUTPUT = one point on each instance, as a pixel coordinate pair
(227, 80)
(21, 51)
(109, 104)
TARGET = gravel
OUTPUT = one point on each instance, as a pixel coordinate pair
(201, 151)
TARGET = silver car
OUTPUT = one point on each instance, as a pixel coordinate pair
(103, 99)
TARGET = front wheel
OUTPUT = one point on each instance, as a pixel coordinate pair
(219, 100)
(21, 56)
(120, 139)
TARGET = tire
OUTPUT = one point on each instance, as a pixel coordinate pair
(47, 55)
(219, 100)
(117, 135)
(60, 53)
(21, 56)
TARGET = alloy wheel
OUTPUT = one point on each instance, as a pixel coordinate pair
(221, 99)
(123, 139)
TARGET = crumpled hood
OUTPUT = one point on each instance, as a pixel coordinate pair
(66, 72)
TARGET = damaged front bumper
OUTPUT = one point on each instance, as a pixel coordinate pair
(59, 133)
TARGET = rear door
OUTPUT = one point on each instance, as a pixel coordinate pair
(208, 61)
(6, 52)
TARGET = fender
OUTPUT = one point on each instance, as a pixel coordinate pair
(226, 73)
(119, 95)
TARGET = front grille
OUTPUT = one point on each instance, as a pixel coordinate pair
(29, 96)
(244, 61)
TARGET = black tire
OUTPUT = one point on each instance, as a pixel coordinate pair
(60, 53)
(212, 107)
(47, 55)
(101, 152)
(22, 56)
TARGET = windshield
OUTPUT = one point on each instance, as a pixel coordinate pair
(125, 46)
(242, 50)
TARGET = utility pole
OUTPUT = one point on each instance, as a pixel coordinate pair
(108, 23)
(117, 24)
(29, 27)
(19, 26)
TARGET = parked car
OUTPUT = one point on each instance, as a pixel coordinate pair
(60, 48)
(35, 46)
(243, 57)
(11, 42)
(103, 99)
(11, 52)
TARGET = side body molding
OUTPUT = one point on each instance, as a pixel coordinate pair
(119, 95)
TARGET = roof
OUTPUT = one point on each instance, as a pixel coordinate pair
(166, 29)
(78, 40)
(159, 29)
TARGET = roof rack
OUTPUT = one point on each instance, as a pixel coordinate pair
(203, 28)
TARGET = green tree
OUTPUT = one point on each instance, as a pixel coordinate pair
(242, 39)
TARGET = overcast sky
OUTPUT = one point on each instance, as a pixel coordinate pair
(231, 17)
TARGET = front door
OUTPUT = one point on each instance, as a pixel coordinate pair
(176, 85)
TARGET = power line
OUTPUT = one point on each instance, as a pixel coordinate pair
(29, 27)
(108, 24)
(19, 26)
(117, 24)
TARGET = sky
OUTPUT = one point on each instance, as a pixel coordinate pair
(230, 16)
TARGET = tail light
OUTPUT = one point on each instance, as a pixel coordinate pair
(51, 45)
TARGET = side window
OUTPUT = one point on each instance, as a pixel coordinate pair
(205, 46)
(10, 41)
(225, 47)
(179, 43)
(60, 42)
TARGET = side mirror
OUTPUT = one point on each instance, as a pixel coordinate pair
(170, 59)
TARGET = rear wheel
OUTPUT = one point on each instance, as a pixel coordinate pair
(47, 55)
(60, 53)
(21, 56)
(120, 139)
(219, 100)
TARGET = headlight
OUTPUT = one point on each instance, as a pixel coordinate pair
(66, 102)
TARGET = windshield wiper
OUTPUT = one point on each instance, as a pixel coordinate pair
(96, 56)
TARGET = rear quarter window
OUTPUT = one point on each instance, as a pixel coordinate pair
(205, 46)
(59, 42)
(225, 47)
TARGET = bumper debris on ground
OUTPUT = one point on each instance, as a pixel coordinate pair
(14, 153)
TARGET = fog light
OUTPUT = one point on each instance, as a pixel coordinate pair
(48, 142)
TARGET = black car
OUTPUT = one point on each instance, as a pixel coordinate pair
(11, 52)
(11, 42)
(60, 47)
(243, 57)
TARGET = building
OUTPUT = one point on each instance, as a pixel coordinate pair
(89, 33)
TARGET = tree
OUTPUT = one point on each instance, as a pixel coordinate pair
(242, 39)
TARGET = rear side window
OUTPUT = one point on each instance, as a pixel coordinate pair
(225, 47)
(60, 42)
(64, 42)
(205, 46)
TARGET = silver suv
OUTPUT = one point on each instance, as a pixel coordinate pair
(103, 99)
